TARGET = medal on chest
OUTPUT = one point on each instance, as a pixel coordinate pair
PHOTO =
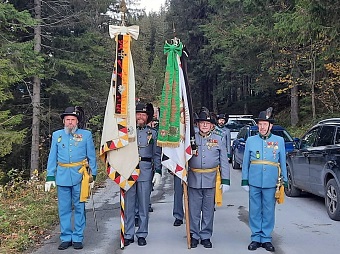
(274, 146)
(77, 138)
(211, 143)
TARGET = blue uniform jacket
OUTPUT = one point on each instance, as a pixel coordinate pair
(68, 148)
(270, 149)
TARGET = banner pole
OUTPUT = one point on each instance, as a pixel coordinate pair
(122, 217)
(186, 209)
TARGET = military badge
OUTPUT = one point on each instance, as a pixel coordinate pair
(77, 137)
(150, 139)
(211, 143)
(59, 139)
(274, 146)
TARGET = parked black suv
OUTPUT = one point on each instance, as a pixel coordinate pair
(314, 166)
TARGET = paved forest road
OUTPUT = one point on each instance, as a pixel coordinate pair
(302, 225)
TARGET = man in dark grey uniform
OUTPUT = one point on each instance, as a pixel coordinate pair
(177, 211)
(220, 126)
(149, 157)
(203, 168)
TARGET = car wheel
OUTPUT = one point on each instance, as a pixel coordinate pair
(234, 163)
(291, 190)
(332, 200)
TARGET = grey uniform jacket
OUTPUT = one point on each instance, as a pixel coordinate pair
(211, 153)
(227, 136)
(147, 148)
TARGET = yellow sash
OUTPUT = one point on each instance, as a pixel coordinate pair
(85, 183)
(218, 191)
(205, 170)
(279, 194)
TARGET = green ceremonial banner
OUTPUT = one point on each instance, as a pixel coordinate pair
(169, 122)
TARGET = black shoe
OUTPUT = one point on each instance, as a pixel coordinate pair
(254, 245)
(206, 243)
(150, 209)
(128, 241)
(136, 222)
(194, 242)
(268, 246)
(178, 222)
(141, 241)
(77, 245)
(64, 245)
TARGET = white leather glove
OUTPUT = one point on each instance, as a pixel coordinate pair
(246, 188)
(92, 185)
(48, 185)
(224, 187)
(156, 179)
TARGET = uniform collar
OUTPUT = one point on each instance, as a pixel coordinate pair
(141, 127)
(206, 135)
(265, 137)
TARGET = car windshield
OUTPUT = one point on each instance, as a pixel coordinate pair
(282, 133)
(237, 124)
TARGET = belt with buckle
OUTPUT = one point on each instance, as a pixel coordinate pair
(144, 159)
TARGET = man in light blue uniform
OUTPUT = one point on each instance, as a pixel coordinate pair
(71, 149)
(220, 126)
(263, 154)
(150, 158)
(203, 168)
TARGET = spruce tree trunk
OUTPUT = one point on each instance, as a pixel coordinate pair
(294, 103)
(313, 88)
(36, 93)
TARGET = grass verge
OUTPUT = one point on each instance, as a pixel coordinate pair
(28, 213)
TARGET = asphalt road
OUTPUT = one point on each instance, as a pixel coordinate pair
(302, 225)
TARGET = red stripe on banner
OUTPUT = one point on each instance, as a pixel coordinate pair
(120, 44)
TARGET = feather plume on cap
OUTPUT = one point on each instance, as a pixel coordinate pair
(266, 115)
(269, 112)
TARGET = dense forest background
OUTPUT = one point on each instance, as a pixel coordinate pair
(245, 55)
